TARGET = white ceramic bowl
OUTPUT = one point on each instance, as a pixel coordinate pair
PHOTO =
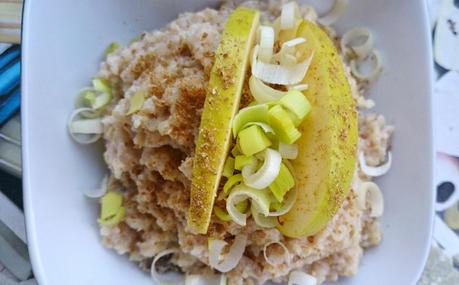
(62, 46)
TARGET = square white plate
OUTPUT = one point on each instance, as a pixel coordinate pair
(62, 46)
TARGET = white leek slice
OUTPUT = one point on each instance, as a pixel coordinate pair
(375, 171)
(362, 50)
(101, 100)
(373, 73)
(194, 279)
(231, 259)
(262, 220)
(287, 204)
(284, 35)
(223, 280)
(280, 74)
(259, 198)
(334, 14)
(267, 173)
(276, 24)
(266, 43)
(263, 93)
(87, 126)
(206, 279)
(299, 87)
(294, 42)
(289, 14)
(288, 151)
(287, 59)
(288, 53)
(84, 132)
(265, 127)
(301, 278)
(286, 256)
(162, 279)
(369, 193)
(99, 192)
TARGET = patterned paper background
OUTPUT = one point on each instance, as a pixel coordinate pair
(443, 264)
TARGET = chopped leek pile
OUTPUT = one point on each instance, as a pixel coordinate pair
(85, 123)
(258, 179)
(256, 171)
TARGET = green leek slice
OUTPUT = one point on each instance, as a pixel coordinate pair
(136, 102)
(221, 214)
(252, 140)
(111, 48)
(282, 184)
(102, 85)
(242, 160)
(232, 181)
(297, 104)
(228, 168)
(255, 113)
(89, 98)
(101, 100)
(259, 199)
(112, 211)
(283, 126)
(262, 220)
(115, 219)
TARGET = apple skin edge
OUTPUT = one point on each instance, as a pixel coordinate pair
(222, 103)
(327, 148)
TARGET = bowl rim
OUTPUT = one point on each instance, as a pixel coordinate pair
(27, 198)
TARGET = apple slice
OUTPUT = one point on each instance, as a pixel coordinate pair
(222, 103)
(327, 148)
